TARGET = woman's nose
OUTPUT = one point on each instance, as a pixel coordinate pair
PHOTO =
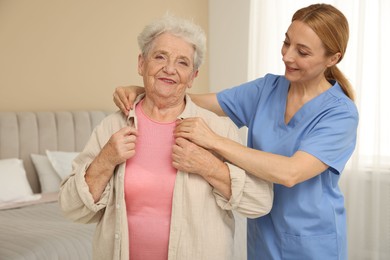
(169, 68)
(287, 55)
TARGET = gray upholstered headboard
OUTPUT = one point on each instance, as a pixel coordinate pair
(24, 133)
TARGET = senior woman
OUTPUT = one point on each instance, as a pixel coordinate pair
(151, 195)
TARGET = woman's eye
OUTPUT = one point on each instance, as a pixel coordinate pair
(302, 53)
(159, 56)
(184, 63)
(286, 43)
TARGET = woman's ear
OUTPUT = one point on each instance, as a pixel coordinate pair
(194, 75)
(334, 59)
(141, 62)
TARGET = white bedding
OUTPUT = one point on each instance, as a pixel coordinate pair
(38, 231)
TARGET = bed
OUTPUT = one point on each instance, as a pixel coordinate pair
(36, 149)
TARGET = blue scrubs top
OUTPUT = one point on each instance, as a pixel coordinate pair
(308, 220)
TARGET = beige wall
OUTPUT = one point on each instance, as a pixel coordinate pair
(70, 55)
(233, 34)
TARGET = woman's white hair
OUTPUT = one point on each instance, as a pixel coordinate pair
(185, 29)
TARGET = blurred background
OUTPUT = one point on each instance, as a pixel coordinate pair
(58, 55)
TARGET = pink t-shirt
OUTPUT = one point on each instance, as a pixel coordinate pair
(149, 182)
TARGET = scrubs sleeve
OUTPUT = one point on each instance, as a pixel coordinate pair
(238, 102)
(333, 139)
(241, 103)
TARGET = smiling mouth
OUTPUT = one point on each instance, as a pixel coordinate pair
(166, 80)
(290, 69)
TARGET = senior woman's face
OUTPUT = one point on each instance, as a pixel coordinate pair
(168, 69)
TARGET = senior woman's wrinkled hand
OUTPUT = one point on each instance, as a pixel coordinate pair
(120, 147)
(196, 130)
(189, 157)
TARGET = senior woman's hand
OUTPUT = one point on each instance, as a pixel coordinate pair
(196, 130)
(119, 148)
(191, 158)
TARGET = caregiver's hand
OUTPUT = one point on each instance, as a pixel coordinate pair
(197, 131)
(124, 97)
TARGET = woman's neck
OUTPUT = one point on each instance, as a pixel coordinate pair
(310, 90)
(162, 112)
(300, 94)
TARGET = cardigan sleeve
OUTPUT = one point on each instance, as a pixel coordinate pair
(75, 199)
(251, 196)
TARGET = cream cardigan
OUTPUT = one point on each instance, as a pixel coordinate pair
(202, 223)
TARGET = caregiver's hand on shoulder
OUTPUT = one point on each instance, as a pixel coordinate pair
(124, 97)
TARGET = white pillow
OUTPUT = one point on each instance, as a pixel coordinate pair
(14, 186)
(48, 178)
(61, 162)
